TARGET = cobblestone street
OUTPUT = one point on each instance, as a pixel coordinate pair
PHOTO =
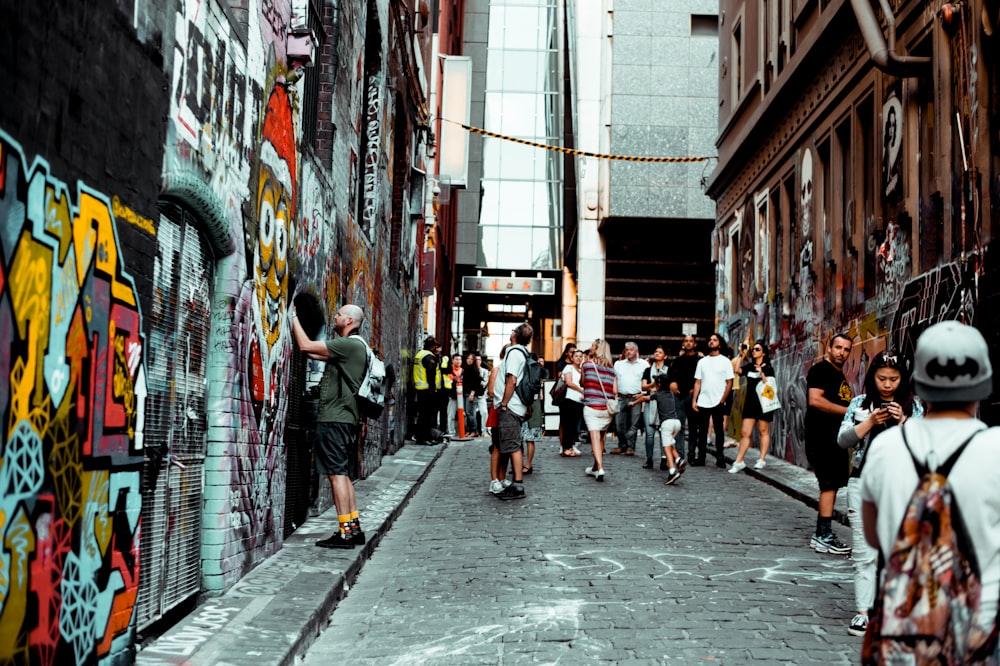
(715, 568)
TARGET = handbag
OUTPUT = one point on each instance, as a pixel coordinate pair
(612, 403)
(767, 395)
(558, 391)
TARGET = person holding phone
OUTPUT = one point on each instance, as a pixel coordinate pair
(887, 401)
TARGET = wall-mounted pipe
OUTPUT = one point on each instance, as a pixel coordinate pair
(884, 55)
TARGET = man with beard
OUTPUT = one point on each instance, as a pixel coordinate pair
(713, 381)
(681, 378)
(829, 396)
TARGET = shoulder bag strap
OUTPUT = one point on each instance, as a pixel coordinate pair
(600, 381)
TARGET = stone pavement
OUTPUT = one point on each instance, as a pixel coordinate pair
(627, 571)
(715, 568)
(279, 608)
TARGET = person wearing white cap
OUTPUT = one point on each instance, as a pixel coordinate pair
(951, 373)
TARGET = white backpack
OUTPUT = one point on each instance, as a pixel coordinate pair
(370, 395)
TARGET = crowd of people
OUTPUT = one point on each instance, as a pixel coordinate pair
(678, 402)
(922, 482)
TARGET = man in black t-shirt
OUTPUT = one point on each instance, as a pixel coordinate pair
(829, 396)
(681, 378)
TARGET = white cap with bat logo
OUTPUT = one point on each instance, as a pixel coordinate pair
(952, 364)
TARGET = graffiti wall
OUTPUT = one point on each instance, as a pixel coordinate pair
(236, 123)
(72, 394)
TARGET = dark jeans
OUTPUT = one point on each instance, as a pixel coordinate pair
(684, 415)
(427, 403)
(700, 441)
(627, 424)
(570, 414)
(471, 415)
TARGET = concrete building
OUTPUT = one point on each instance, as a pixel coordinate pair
(643, 274)
(857, 180)
(173, 177)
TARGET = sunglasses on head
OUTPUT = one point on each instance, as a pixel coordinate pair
(891, 360)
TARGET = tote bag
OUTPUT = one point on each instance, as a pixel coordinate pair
(767, 394)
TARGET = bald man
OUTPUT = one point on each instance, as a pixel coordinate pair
(346, 358)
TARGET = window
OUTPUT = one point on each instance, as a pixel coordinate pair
(736, 50)
(520, 217)
(762, 256)
(733, 266)
(704, 25)
(310, 94)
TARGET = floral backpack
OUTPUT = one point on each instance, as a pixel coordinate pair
(926, 606)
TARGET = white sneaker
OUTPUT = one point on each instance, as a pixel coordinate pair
(575, 448)
(761, 464)
(737, 467)
(506, 482)
(495, 486)
(589, 471)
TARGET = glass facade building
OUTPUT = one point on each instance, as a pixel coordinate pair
(521, 212)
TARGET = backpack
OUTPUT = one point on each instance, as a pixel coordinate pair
(930, 595)
(532, 378)
(370, 395)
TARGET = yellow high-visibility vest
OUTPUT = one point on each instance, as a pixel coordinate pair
(420, 381)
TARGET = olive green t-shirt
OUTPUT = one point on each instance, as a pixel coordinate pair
(343, 374)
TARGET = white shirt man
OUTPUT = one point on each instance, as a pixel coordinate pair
(889, 477)
(713, 380)
(629, 371)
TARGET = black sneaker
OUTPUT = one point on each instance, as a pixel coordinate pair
(358, 538)
(663, 464)
(338, 540)
(681, 465)
(648, 464)
(511, 492)
(829, 543)
(673, 477)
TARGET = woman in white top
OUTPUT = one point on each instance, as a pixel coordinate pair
(571, 408)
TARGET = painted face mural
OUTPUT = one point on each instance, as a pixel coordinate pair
(275, 210)
(72, 391)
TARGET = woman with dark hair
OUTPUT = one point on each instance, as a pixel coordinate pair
(887, 401)
(571, 408)
(472, 388)
(756, 369)
(566, 358)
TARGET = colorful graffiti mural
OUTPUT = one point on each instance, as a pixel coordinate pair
(72, 391)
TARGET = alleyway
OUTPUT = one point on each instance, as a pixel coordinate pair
(713, 569)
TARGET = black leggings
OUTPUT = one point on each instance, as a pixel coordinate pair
(570, 414)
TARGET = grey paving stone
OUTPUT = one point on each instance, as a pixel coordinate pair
(629, 571)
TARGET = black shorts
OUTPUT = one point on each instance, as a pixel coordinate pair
(335, 444)
(830, 463)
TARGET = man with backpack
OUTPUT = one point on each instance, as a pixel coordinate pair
(337, 421)
(931, 504)
(512, 406)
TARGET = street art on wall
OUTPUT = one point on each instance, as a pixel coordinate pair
(892, 156)
(72, 392)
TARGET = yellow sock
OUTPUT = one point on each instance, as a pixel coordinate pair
(345, 524)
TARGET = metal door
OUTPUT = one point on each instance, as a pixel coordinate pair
(175, 442)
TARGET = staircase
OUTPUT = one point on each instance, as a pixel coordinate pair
(658, 276)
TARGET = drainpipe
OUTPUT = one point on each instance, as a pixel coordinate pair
(884, 56)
